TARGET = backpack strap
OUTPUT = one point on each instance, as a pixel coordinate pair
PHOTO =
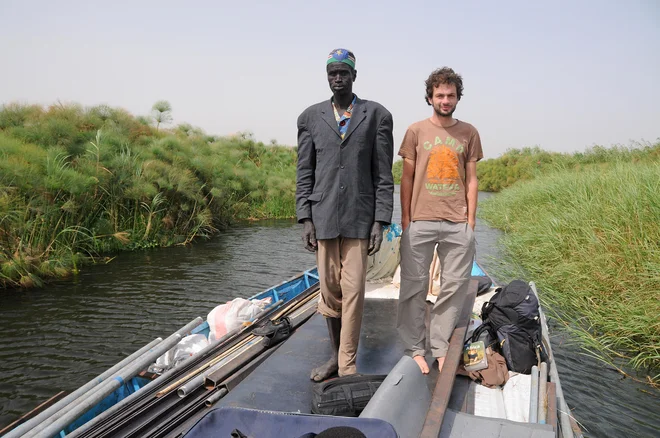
(486, 309)
(479, 330)
(488, 305)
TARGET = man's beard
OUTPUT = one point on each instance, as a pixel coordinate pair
(439, 112)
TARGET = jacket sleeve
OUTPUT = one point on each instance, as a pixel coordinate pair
(305, 169)
(381, 170)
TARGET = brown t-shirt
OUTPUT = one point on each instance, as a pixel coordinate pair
(440, 156)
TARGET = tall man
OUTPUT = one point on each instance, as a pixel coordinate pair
(344, 195)
(438, 206)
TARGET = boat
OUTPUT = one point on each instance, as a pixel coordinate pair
(407, 404)
(240, 383)
(130, 379)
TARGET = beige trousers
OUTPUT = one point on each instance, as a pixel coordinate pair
(455, 253)
(342, 267)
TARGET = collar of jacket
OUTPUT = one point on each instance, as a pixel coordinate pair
(357, 117)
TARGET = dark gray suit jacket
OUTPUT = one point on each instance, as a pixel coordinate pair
(344, 186)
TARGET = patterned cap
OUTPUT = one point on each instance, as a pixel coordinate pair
(342, 55)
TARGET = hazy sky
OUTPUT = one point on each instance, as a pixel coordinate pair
(564, 75)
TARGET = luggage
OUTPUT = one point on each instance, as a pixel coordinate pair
(344, 396)
(512, 318)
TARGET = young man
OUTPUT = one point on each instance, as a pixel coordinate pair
(438, 206)
(344, 195)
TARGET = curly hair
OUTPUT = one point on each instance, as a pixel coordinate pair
(444, 75)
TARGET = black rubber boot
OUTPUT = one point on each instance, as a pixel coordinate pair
(331, 367)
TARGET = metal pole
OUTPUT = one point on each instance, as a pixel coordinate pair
(159, 381)
(218, 373)
(105, 414)
(192, 384)
(564, 410)
(534, 395)
(200, 380)
(543, 392)
(223, 354)
(215, 397)
(82, 404)
(60, 420)
(33, 422)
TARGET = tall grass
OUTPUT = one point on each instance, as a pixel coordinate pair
(79, 182)
(527, 163)
(397, 171)
(590, 239)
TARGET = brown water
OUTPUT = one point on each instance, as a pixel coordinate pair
(59, 337)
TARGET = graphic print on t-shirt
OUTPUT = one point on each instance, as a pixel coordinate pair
(442, 176)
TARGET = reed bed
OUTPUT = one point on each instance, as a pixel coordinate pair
(528, 163)
(79, 183)
(590, 240)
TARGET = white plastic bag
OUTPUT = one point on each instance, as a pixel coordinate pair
(162, 364)
(183, 350)
(227, 317)
(187, 347)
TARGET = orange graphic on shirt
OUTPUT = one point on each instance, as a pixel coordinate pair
(443, 166)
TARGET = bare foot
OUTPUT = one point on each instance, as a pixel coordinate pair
(421, 361)
(441, 362)
(325, 371)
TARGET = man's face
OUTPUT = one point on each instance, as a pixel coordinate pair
(341, 77)
(444, 100)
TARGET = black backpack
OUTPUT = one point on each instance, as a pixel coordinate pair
(512, 318)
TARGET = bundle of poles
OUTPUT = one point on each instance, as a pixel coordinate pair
(218, 362)
(49, 422)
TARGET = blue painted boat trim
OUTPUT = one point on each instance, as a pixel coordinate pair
(477, 271)
(126, 389)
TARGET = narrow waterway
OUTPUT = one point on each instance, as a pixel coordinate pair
(59, 337)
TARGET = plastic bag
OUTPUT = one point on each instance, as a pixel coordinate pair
(473, 324)
(162, 364)
(183, 350)
(227, 317)
(187, 347)
(383, 264)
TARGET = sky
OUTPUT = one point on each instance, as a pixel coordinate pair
(561, 75)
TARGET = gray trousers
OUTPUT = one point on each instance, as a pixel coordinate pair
(455, 253)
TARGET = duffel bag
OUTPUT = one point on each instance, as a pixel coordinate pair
(345, 396)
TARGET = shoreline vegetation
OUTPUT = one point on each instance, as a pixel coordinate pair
(79, 183)
(586, 228)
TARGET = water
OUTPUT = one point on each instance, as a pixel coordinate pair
(59, 337)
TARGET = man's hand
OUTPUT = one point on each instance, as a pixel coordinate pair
(309, 235)
(405, 222)
(472, 224)
(375, 238)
